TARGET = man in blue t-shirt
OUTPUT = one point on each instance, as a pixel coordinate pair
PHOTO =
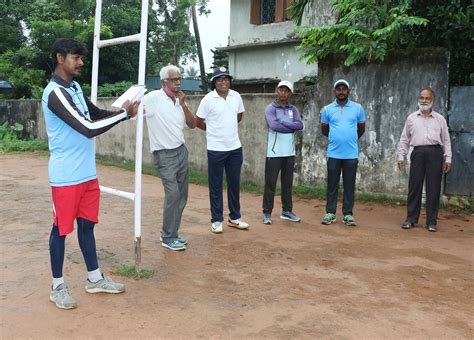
(343, 122)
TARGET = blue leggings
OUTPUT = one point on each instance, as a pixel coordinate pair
(85, 235)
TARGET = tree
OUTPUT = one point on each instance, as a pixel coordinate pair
(197, 36)
(220, 58)
(191, 72)
(451, 26)
(11, 34)
(16, 68)
(366, 30)
(170, 40)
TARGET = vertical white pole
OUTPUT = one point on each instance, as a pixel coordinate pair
(139, 136)
(95, 55)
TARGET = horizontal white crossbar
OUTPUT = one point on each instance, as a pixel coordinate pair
(118, 41)
(129, 195)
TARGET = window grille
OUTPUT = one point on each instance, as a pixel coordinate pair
(268, 11)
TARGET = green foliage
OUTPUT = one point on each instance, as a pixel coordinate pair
(128, 270)
(11, 35)
(46, 20)
(10, 139)
(170, 40)
(297, 10)
(451, 26)
(364, 31)
(10, 132)
(220, 58)
(113, 90)
(16, 68)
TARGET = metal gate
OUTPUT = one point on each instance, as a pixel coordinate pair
(460, 181)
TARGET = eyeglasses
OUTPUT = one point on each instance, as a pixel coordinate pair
(174, 80)
(223, 78)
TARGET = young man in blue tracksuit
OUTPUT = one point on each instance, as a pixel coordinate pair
(72, 122)
(283, 121)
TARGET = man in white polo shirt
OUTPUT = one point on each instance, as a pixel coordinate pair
(167, 114)
(219, 114)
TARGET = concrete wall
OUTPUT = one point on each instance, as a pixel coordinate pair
(388, 91)
(275, 61)
(26, 112)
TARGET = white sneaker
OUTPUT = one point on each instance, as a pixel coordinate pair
(238, 223)
(216, 227)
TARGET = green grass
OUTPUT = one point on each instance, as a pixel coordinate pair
(456, 204)
(19, 145)
(128, 270)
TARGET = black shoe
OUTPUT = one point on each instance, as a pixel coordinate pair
(407, 225)
(432, 228)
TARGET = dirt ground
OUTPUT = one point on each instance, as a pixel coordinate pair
(288, 280)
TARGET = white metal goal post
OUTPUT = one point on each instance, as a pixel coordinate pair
(141, 37)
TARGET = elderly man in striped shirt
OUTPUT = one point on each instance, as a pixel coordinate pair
(427, 132)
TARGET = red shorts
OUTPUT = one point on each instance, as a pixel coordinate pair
(73, 201)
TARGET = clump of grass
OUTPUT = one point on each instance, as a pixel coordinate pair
(128, 270)
(19, 145)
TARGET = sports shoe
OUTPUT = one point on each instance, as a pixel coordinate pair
(216, 227)
(174, 245)
(288, 215)
(62, 298)
(328, 218)
(238, 223)
(106, 285)
(407, 225)
(267, 219)
(178, 238)
(349, 220)
(432, 228)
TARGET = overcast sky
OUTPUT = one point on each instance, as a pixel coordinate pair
(214, 29)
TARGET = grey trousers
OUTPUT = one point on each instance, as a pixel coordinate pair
(172, 166)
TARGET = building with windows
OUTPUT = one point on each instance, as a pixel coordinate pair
(262, 43)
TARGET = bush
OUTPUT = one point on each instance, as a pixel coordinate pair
(10, 139)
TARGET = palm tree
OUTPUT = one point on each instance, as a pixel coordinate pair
(191, 72)
(296, 10)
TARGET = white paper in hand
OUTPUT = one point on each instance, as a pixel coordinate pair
(133, 94)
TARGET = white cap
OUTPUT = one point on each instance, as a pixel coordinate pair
(285, 83)
(342, 82)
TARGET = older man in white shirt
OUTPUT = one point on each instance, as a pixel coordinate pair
(167, 115)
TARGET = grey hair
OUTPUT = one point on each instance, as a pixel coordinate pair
(165, 71)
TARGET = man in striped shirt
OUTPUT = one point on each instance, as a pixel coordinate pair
(427, 132)
(72, 122)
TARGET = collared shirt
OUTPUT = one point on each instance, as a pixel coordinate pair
(420, 130)
(282, 123)
(165, 120)
(72, 121)
(222, 133)
(343, 141)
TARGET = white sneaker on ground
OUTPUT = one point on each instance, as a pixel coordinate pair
(238, 223)
(216, 227)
